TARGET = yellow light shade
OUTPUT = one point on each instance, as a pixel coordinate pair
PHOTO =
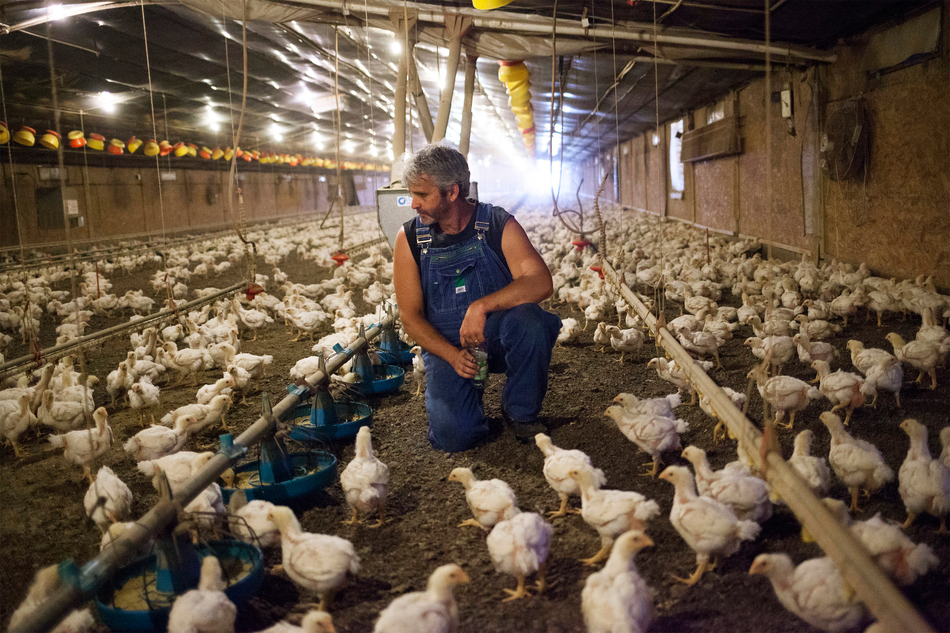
(525, 120)
(50, 140)
(151, 148)
(488, 5)
(97, 142)
(181, 150)
(217, 153)
(521, 101)
(25, 136)
(525, 109)
(133, 144)
(517, 72)
(4, 133)
(521, 92)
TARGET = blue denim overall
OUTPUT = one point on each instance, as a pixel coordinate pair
(519, 341)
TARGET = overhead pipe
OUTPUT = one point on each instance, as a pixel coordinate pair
(871, 584)
(635, 31)
(94, 574)
(471, 65)
(455, 26)
(61, 350)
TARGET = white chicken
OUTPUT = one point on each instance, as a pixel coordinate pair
(616, 599)
(249, 520)
(317, 563)
(518, 546)
(888, 376)
(431, 611)
(779, 350)
(654, 406)
(611, 512)
(252, 319)
(418, 368)
(945, 443)
(899, 557)
(178, 468)
(570, 330)
(488, 500)
(314, 622)
(814, 470)
(108, 499)
(62, 416)
(745, 494)
(653, 434)
(84, 446)
(783, 393)
(45, 583)
(15, 419)
(857, 463)
(222, 386)
(628, 341)
(205, 415)
(815, 591)
(144, 395)
(710, 528)
(206, 609)
(922, 355)
(558, 463)
(671, 372)
(158, 441)
(843, 389)
(365, 481)
(923, 482)
(810, 351)
(702, 343)
(118, 382)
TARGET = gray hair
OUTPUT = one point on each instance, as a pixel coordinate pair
(445, 166)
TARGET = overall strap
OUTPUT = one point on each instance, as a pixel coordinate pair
(482, 219)
(423, 237)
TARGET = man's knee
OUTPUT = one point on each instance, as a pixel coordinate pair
(529, 321)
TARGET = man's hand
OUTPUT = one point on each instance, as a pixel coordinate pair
(472, 332)
(464, 364)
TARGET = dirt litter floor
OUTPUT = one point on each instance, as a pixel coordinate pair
(43, 520)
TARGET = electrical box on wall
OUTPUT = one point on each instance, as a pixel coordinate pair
(787, 102)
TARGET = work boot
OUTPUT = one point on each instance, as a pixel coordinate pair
(525, 431)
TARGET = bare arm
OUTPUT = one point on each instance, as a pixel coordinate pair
(531, 283)
(408, 287)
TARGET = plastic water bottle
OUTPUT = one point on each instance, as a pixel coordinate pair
(481, 359)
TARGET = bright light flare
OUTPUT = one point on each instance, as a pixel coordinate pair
(106, 101)
(395, 47)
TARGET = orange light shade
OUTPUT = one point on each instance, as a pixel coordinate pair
(115, 147)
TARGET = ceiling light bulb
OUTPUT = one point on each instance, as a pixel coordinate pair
(56, 12)
(106, 101)
(395, 47)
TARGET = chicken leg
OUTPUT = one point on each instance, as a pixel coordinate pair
(518, 593)
(854, 499)
(654, 466)
(472, 522)
(910, 520)
(562, 511)
(702, 564)
(381, 521)
(605, 544)
(542, 582)
(353, 520)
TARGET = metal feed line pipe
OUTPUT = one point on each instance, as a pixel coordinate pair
(62, 349)
(93, 575)
(872, 586)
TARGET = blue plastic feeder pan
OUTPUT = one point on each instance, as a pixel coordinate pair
(312, 470)
(387, 378)
(131, 601)
(350, 417)
(397, 355)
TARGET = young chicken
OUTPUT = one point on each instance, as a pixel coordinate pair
(602, 336)
(488, 500)
(653, 434)
(702, 343)
(314, 622)
(707, 526)
(431, 611)
(900, 558)
(616, 599)
(674, 374)
(611, 512)
(570, 330)
(157, 441)
(144, 395)
(61, 416)
(923, 482)
(205, 415)
(418, 368)
(628, 341)
(783, 393)
(655, 406)
(118, 382)
(814, 470)
(558, 463)
(945, 443)
(249, 521)
(778, 349)
(815, 591)
(45, 583)
(84, 446)
(242, 380)
(922, 355)
(746, 495)
(315, 562)
(365, 481)
(108, 499)
(809, 352)
(842, 388)
(178, 468)
(857, 463)
(221, 387)
(15, 419)
(518, 546)
(206, 609)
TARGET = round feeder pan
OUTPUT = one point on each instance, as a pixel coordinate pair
(356, 415)
(312, 470)
(388, 378)
(133, 586)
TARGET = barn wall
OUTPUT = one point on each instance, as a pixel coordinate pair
(123, 201)
(898, 221)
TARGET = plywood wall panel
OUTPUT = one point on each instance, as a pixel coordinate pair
(715, 195)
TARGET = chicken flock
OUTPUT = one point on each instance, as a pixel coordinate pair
(793, 309)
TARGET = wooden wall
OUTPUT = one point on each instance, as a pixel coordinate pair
(898, 220)
(120, 201)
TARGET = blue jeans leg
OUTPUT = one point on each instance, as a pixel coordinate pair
(525, 336)
(456, 417)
